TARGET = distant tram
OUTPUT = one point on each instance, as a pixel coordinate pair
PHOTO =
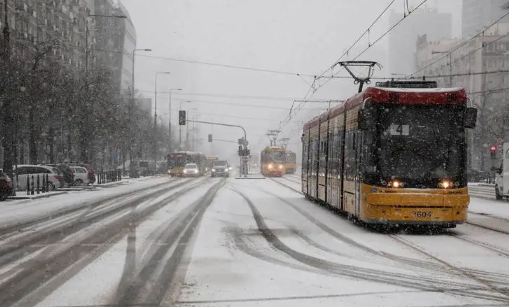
(392, 154)
(290, 162)
(177, 161)
(272, 161)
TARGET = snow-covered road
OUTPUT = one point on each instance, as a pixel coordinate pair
(230, 242)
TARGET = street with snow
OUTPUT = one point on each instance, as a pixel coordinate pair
(207, 241)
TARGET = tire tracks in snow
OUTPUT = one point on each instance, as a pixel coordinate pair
(43, 274)
(143, 288)
(372, 275)
(19, 227)
(345, 239)
(54, 233)
(504, 293)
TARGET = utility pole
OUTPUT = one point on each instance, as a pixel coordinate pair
(9, 139)
(169, 125)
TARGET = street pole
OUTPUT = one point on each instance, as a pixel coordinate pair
(169, 125)
(450, 69)
(180, 127)
(155, 114)
(131, 108)
(8, 141)
(86, 43)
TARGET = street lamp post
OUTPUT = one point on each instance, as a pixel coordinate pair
(155, 112)
(131, 107)
(188, 145)
(180, 127)
(169, 125)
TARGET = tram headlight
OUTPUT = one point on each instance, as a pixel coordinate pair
(445, 184)
(395, 184)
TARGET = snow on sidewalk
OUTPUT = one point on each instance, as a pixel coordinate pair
(14, 212)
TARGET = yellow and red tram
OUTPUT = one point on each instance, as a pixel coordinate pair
(272, 161)
(392, 154)
(290, 162)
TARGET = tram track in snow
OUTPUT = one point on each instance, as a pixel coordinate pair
(503, 293)
(432, 283)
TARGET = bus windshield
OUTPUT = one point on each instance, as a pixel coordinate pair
(176, 160)
(421, 142)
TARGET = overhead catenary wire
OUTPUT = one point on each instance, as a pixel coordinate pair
(312, 89)
(470, 53)
(315, 89)
(460, 45)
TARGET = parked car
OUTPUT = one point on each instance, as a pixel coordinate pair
(80, 175)
(66, 172)
(56, 179)
(191, 170)
(6, 187)
(91, 172)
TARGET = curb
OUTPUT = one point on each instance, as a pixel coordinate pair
(37, 196)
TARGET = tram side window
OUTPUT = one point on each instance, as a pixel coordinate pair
(330, 153)
(313, 155)
(304, 157)
(350, 155)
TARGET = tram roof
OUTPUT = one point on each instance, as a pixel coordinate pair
(402, 96)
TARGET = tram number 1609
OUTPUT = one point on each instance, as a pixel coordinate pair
(422, 214)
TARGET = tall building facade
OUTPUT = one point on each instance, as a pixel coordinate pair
(59, 22)
(402, 40)
(115, 40)
(478, 14)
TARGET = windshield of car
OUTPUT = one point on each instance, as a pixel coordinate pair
(220, 164)
(190, 166)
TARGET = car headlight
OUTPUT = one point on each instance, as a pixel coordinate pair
(185, 172)
(270, 166)
(280, 166)
(213, 170)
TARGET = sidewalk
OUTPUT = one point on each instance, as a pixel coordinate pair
(23, 195)
(14, 211)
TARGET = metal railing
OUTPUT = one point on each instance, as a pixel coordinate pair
(108, 176)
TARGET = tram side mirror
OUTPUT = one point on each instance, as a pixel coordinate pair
(470, 118)
(363, 119)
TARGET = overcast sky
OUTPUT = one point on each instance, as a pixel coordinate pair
(297, 36)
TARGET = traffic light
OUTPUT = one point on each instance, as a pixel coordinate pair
(182, 117)
(493, 151)
(210, 138)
